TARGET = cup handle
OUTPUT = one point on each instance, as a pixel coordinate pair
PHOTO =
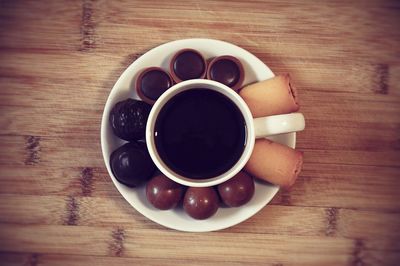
(278, 124)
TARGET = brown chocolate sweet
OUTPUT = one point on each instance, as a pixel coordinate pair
(163, 193)
(227, 70)
(201, 202)
(151, 83)
(187, 64)
(238, 190)
(131, 164)
(128, 119)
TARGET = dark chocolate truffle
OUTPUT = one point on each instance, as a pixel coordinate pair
(227, 70)
(151, 83)
(163, 193)
(187, 64)
(201, 202)
(128, 119)
(131, 164)
(238, 190)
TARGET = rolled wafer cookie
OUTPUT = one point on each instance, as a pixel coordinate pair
(271, 97)
(275, 163)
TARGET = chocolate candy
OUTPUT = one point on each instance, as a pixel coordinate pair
(163, 193)
(151, 83)
(201, 202)
(131, 164)
(238, 190)
(227, 70)
(128, 119)
(187, 64)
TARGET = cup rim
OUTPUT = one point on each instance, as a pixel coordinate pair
(207, 84)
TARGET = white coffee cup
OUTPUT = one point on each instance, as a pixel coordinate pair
(256, 128)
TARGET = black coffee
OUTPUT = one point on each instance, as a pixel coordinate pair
(200, 133)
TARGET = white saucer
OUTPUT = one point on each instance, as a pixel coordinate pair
(255, 70)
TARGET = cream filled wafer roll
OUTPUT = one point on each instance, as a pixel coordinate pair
(275, 163)
(271, 97)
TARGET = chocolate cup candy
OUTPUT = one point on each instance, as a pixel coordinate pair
(187, 64)
(151, 83)
(227, 70)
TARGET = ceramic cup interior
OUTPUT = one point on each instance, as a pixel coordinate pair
(205, 84)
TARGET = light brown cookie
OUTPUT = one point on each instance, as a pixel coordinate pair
(275, 163)
(271, 97)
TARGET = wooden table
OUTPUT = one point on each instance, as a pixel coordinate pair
(59, 61)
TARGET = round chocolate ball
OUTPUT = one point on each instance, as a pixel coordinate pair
(128, 119)
(201, 202)
(187, 64)
(163, 193)
(131, 164)
(238, 190)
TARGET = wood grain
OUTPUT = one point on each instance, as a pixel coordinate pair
(276, 219)
(58, 62)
